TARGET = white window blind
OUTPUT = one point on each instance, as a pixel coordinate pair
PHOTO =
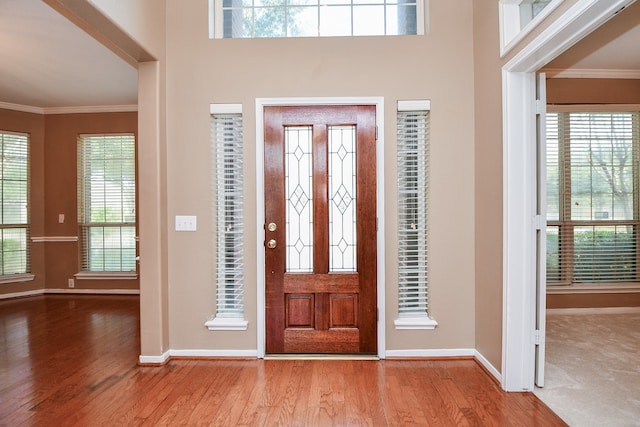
(228, 212)
(301, 18)
(107, 202)
(14, 188)
(593, 197)
(413, 189)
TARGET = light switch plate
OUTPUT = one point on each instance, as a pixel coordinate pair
(186, 223)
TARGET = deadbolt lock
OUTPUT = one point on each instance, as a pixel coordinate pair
(272, 226)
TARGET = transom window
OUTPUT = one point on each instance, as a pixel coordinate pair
(593, 214)
(315, 18)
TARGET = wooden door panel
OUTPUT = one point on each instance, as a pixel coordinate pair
(343, 311)
(300, 311)
(313, 309)
(314, 341)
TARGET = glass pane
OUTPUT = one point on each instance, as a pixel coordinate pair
(601, 166)
(335, 21)
(553, 171)
(302, 22)
(401, 19)
(342, 198)
(605, 254)
(14, 202)
(269, 22)
(299, 195)
(368, 20)
(14, 251)
(553, 254)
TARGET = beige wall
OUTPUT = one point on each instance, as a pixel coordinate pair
(593, 91)
(438, 67)
(488, 182)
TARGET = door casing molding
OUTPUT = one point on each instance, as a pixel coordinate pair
(378, 101)
(519, 182)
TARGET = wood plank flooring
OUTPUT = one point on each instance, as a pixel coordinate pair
(71, 361)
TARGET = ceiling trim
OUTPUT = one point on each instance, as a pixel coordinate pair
(70, 110)
(584, 73)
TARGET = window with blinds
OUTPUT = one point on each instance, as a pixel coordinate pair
(14, 190)
(593, 214)
(107, 203)
(226, 130)
(413, 190)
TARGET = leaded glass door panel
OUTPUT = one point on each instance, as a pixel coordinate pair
(320, 230)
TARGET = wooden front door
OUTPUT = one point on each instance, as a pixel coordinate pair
(320, 229)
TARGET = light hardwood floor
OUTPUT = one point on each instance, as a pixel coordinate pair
(71, 360)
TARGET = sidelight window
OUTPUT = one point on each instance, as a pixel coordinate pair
(593, 180)
(227, 188)
(413, 193)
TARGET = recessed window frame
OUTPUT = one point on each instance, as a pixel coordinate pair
(228, 217)
(216, 20)
(562, 279)
(24, 172)
(86, 224)
(513, 28)
(413, 124)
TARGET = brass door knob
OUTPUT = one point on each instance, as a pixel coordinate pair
(272, 243)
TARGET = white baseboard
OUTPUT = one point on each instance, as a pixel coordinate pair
(214, 353)
(33, 293)
(77, 291)
(488, 366)
(93, 291)
(154, 360)
(594, 310)
(454, 352)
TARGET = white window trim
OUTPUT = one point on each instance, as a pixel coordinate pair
(378, 101)
(215, 18)
(418, 322)
(106, 275)
(17, 278)
(215, 322)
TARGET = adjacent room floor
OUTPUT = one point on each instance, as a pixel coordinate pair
(593, 371)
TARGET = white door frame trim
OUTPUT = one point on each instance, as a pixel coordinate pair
(378, 101)
(519, 186)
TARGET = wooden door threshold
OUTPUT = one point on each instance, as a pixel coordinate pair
(292, 356)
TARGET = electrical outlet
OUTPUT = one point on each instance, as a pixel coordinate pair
(61, 218)
(72, 283)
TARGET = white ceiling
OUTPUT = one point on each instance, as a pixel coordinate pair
(615, 46)
(47, 62)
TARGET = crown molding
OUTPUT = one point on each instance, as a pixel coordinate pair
(70, 110)
(584, 73)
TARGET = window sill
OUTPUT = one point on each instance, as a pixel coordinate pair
(613, 288)
(107, 275)
(415, 323)
(227, 324)
(17, 278)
